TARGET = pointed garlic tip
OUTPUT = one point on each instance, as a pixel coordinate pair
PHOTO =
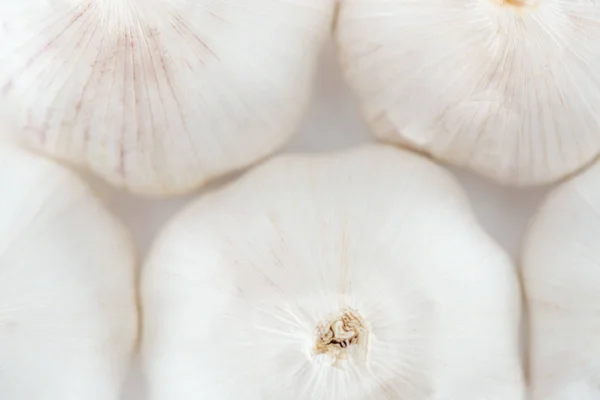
(68, 302)
(561, 277)
(514, 3)
(159, 97)
(463, 82)
(519, 5)
(355, 275)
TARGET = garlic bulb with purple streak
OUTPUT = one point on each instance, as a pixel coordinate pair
(159, 96)
(352, 276)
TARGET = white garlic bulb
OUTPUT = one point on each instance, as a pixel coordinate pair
(357, 275)
(508, 88)
(561, 275)
(68, 307)
(159, 96)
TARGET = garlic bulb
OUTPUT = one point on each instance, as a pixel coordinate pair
(510, 89)
(159, 96)
(561, 274)
(358, 275)
(68, 314)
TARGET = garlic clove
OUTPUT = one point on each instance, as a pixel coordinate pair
(68, 308)
(356, 275)
(159, 96)
(561, 274)
(509, 89)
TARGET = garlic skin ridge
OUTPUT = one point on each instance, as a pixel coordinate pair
(509, 89)
(561, 274)
(68, 298)
(354, 275)
(159, 96)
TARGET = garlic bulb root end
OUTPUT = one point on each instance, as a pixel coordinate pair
(338, 336)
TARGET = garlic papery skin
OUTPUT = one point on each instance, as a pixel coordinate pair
(68, 304)
(509, 89)
(561, 276)
(159, 96)
(355, 275)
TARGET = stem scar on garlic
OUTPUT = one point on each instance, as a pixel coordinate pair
(506, 88)
(355, 275)
(335, 337)
(158, 96)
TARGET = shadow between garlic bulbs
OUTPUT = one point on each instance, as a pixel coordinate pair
(509, 89)
(561, 275)
(356, 275)
(159, 96)
(68, 306)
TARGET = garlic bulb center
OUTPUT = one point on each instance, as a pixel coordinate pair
(336, 337)
(356, 275)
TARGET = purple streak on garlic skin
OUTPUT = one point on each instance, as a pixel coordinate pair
(159, 96)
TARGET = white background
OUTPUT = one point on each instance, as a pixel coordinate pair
(334, 122)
